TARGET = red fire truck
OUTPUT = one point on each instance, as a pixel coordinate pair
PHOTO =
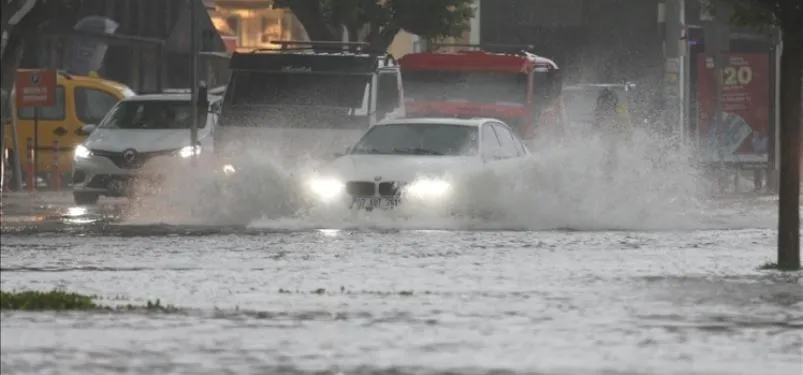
(520, 88)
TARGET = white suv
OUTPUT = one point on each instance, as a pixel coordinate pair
(137, 132)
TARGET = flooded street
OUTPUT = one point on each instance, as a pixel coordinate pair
(276, 299)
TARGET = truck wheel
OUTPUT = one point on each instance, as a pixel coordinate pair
(83, 199)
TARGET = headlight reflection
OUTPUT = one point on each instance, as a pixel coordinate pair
(189, 151)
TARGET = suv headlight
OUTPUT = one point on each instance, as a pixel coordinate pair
(189, 151)
(326, 189)
(429, 189)
(81, 152)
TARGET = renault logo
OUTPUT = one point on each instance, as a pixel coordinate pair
(129, 155)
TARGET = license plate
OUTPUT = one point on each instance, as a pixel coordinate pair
(369, 203)
(116, 186)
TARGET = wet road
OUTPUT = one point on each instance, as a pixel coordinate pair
(284, 297)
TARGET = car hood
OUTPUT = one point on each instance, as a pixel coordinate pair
(140, 140)
(398, 167)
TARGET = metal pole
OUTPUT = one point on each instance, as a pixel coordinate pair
(683, 51)
(17, 154)
(718, 68)
(35, 166)
(194, 75)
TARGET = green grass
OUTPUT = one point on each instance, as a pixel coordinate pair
(60, 300)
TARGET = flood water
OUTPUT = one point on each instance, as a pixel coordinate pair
(407, 301)
(632, 280)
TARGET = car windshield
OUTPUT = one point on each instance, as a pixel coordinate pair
(419, 139)
(151, 114)
(480, 87)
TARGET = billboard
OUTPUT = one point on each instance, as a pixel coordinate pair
(743, 134)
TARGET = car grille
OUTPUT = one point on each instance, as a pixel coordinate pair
(361, 188)
(102, 181)
(139, 160)
(367, 188)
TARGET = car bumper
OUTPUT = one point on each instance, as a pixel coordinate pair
(98, 174)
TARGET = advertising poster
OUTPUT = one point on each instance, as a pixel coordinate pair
(743, 134)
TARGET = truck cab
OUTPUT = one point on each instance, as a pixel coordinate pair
(306, 99)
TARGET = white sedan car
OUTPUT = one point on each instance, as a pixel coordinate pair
(418, 161)
(138, 133)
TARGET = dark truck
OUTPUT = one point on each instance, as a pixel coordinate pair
(305, 99)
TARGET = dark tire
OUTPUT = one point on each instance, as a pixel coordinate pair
(83, 199)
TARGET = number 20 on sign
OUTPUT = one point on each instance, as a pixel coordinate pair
(737, 75)
(35, 88)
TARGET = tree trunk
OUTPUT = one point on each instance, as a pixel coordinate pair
(789, 192)
(380, 40)
(310, 16)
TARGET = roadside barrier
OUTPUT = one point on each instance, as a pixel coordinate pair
(55, 173)
(30, 166)
(6, 170)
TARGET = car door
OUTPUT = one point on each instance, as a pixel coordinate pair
(491, 147)
(510, 145)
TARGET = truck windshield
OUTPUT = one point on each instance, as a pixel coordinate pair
(296, 100)
(473, 86)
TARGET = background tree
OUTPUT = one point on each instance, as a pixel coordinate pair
(786, 16)
(325, 19)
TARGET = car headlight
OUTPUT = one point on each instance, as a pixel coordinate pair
(428, 189)
(189, 151)
(81, 152)
(326, 189)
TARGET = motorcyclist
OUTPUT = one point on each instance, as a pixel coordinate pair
(609, 116)
(611, 124)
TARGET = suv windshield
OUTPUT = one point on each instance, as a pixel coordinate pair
(151, 114)
(419, 139)
(473, 86)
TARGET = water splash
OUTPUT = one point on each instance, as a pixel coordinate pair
(584, 183)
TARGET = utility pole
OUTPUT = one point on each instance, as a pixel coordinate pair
(194, 78)
(717, 47)
(790, 139)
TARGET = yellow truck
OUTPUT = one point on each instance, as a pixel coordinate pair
(80, 100)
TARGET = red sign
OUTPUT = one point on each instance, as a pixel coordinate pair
(743, 134)
(35, 88)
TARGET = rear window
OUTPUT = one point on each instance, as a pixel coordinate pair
(287, 89)
(472, 86)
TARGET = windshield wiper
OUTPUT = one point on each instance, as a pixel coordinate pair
(366, 151)
(416, 151)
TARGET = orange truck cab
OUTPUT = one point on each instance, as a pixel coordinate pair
(522, 89)
(80, 100)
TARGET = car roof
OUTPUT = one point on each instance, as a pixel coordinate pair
(474, 121)
(167, 96)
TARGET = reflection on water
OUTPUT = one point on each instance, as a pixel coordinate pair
(407, 302)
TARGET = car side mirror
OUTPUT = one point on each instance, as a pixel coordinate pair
(88, 129)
